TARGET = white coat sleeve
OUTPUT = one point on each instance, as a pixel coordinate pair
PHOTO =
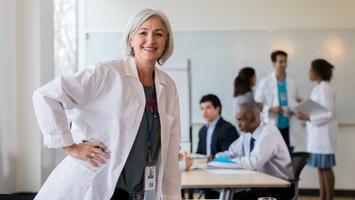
(327, 101)
(172, 174)
(58, 96)
(259, 97)
(259, 93)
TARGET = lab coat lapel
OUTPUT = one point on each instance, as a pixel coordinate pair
(160, 84)
(132, 72)
(275, 99)
(291, 94)
(215, 136)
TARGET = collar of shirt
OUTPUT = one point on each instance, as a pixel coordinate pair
(258, 131)
(213, 124)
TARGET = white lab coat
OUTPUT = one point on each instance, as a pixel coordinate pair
(267, 93)
(105, 102)
(322, 128)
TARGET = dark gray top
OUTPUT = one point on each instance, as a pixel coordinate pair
(132, 176)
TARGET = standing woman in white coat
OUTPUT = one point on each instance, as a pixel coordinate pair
(118, 121)
(322, 128)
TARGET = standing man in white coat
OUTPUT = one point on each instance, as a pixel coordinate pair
(125, 135)
(277, 93)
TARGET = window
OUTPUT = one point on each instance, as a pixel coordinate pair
(65, 37)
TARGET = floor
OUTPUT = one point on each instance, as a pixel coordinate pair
(316, 198)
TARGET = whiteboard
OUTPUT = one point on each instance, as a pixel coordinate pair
(216, 57)
(178, 70)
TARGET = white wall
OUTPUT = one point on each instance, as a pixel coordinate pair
(26, 61)
(210, 15)
(8, 95)
(227, 14)
(25, 45)
(28, 171)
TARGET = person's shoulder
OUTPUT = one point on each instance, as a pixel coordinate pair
(203, 127)
(270, 129)
(324, 88)
(104, 67)
(165, 76)
(246, 97)
(170, 83)
(326, 85)
(226, 123)
(112, 64)
(267, 79)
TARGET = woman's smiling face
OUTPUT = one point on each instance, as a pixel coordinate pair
(149, 40)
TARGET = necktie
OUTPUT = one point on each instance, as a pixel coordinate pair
(251, 146)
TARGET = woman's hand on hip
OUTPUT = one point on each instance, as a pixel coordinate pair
(89, 151)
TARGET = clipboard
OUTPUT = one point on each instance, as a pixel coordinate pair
(310, 107)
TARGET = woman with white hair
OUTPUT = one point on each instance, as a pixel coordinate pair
(118, 121)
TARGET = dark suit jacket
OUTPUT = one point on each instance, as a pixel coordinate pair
(224, 134)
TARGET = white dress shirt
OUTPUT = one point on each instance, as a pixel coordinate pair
(210, 130)
(322, 128)
(270, 154)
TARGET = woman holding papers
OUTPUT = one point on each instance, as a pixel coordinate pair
(322, 126)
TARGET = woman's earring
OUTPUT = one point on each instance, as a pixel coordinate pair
(132, 51)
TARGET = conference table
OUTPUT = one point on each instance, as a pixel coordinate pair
(229, 180)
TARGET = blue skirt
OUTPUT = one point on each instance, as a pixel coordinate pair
(321, 160)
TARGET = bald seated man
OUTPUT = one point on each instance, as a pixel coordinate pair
(260, 147)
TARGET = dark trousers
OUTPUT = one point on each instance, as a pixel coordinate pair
(189, 192)
(210, 194)
(123, 195)
(278, 193)
(120, 195)
(285, 132)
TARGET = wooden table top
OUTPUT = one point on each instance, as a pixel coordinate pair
(229, 178)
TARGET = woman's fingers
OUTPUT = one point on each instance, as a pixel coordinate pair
(100, 144)
(101, 153)
(93, 162)
(99, 159)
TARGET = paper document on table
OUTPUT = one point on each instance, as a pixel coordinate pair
(310, 107)
(198, 166)
(223, 163)
(230, 171)
(198, 156)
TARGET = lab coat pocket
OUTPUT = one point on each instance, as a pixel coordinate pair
(70, 180)
(169, 123)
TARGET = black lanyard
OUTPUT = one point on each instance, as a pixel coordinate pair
(150, 127)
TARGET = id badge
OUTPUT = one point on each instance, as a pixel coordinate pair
(283, 96)
(149, 178)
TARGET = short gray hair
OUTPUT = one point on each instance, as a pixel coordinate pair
(136, 21)
(252, 105)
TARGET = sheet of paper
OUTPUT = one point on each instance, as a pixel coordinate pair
(309, 107)
(222, 165)
(230, 171)
(198, 166)
(197, 156)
